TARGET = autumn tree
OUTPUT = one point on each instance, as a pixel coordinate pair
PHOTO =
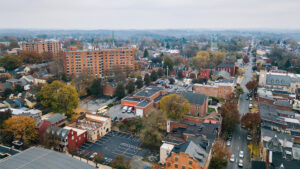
(4, 115)
(13, 44)
(230, 116)
(10, 62)
(139, 82)
(251, 122)
(246, 59)
(252, 85)
(160, 72)
(201, 60)
(147, 79)
(120, 91)
(153, 75)
(62, 98)
(220, 156)
(82, 82)
(218, 57)
(239, 90)
(130, 87)
(99, 158)
(168, 63)
(31, 57)
(21, 128)
(176, 106)
(119, 162)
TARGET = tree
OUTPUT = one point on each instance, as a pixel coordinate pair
(239, 90)
(230, 116)
(99, 158)
(120, 91)
(251, 122)
(21, 128)
(4, 115)
(201, 60)
(19, 88)
(146, 53)
(245, 59)
(171, 81)
(180, 74)
(10, 62)
(151, 137)
(218, 57)
(153, 75)
(139, 82)
(176, 106)
(178, 60)
(220, 156)
(13, 44)
(130, 87)
(96, 88)
(31, 57)
(168, 45)
(8, 91)
(62, 98)
(147, 79)
(252, 85)
(160, 72)
(119, 162)
(168, 63)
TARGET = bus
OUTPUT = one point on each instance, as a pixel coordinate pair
(102, 109)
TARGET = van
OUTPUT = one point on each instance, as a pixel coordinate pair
(124, 109)
(129, 109)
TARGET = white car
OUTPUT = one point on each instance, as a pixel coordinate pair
(241, 155)
(250, 106)
(232, 158)
(93, 155)
(124, 109)
(241, 163)
(129, 109)
(228, 143)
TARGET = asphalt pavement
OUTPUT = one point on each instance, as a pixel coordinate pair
(239, 136)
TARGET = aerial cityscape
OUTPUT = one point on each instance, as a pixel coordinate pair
(140, 84)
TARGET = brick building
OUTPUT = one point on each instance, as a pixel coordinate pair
(228, 67)
(204, 73)
(218, 90)
(144, 100)
(99, 62)
(42, 46)
(109, 89)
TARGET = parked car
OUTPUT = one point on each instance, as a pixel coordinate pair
(250, 106)
(250, 98)
(249, 137)
(120, 119)
(241, 155)
(129, 109)
(232, 158)
(228, 143)
(241, 163)
(124, 109)
(115, 119)
(93, 155)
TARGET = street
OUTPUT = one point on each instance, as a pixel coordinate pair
(239, 136)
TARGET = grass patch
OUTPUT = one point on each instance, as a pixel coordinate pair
(210, 110)
(221, 100)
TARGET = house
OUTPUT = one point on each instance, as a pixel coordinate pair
(27, 112)
(205, 73)
(144, 100)
(228, 67)
(30, 102)
(68, 137)
(55, 119)
(37, 157)
(96, 126)
(109, 89)
(198, 106)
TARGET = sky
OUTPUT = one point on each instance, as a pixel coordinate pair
(150, 14)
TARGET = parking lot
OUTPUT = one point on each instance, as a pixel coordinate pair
(116, 111)
(112, 144)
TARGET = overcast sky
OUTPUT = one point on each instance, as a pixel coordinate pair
(149, 14)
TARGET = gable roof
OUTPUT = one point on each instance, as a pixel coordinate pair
(194, 98)
(56, 118)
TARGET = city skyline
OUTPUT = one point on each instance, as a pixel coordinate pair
(155, 14)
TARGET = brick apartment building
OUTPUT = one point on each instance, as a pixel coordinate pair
(228, 67)
(99, 62)
(204, 73)
(218, 90)
(144, 100)
(42, 46)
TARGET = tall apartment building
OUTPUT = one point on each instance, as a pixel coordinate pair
(41, 46)
(98, 62)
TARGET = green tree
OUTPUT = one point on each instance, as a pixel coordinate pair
(10, 62)
(176, 106)
(119, 162)
(180, 74)
(146, 53)
(120, 91)
(139, 82)
(168, 45)
(60, 97)
(153, 75)
(130, 87)
(160, 72)
(19, 88)
(168, 63)
(147, 79)
(96, 88)
(13, 44)
(4, 115)
(239, 90)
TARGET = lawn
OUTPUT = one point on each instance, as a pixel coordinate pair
(211, 110)
(221, 100)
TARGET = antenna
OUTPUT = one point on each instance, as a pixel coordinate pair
(113, 38)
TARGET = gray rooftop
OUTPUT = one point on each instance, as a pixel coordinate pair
(194, 98)
(149, 91)
(56, 118)
(144, 103)
(40, 158)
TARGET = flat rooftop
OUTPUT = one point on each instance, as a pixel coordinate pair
(79, 131)
(149, 91)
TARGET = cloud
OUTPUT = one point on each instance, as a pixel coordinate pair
(153, 14)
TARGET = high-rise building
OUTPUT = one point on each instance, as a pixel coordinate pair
(41, 46)
(98, 62)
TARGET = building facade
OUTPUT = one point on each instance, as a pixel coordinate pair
(42, 46)
(228, 67)
(99, 62)
(218, 90)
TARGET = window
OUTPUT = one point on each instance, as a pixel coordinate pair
(190, 162)
(176, 158)
(169, 164)
(197, 108)
(183, 167)
(176, 165)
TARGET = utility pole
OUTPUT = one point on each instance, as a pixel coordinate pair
(167, 71)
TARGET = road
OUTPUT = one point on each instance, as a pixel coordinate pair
(239, 136)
